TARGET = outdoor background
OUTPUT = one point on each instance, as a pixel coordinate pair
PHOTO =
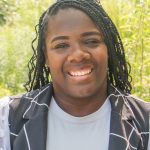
(17, 21)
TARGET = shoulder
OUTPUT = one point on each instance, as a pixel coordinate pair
(140, 111)
(141, 115)
(19, 104)
(128, 101)
(138, 103)
(131, 107)
(17, 107)
(24, 100)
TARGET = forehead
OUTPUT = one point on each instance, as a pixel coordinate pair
(68, 11)
(70, 19)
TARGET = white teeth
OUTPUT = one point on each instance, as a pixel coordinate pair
(80, 73)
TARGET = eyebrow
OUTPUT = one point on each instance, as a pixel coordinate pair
(60, 38)
(91, 33)
(83, 35)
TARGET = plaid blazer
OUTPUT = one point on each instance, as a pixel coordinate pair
(129, 125)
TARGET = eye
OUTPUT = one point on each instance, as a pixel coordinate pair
(92, 42)
(61, 46)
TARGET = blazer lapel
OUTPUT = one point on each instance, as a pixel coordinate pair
(33, 134)
(123, 133)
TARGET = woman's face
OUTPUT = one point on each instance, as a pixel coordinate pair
(76, 55)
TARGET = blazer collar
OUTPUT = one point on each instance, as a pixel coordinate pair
(123, 132)
(39, 101)
(120, 104)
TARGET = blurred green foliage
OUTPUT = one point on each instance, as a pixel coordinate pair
(6, 10)
(17, 21)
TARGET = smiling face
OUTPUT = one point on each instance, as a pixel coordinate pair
(76, 55)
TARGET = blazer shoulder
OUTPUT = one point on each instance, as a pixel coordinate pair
(18, 102)
(139, 103)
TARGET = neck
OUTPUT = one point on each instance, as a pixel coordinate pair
(80, 107)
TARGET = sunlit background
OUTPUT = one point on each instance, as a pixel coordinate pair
(17, 21)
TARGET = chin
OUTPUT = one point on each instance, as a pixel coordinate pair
(83, 94)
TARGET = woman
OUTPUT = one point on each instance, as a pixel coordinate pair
(79, 86)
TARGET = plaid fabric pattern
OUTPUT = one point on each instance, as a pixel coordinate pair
(129, 126)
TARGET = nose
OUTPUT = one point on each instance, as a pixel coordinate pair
(78, 55)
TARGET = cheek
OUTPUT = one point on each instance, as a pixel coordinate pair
(102, 57)
(55, 63)
(54, 70)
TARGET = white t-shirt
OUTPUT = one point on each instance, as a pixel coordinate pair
(66, 132)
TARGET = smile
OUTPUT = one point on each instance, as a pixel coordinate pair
(80, 72)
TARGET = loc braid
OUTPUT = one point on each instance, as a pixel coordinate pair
(35, 65)
(31, 63)
(119, 75)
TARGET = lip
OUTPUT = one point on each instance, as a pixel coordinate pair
(79, 75)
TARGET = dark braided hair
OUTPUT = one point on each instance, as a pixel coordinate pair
(119, 69)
